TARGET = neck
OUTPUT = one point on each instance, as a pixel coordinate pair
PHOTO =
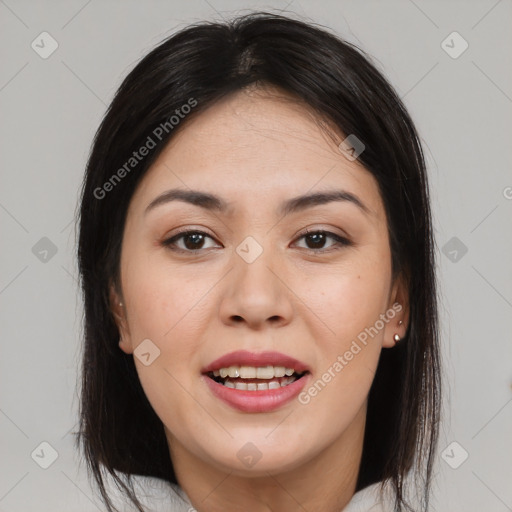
(325, 482)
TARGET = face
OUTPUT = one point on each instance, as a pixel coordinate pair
(256, 336)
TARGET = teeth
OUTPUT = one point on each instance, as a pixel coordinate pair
(253, 372)
(265, 372)
(233, 372)
(247, 372)
(259, 386)
(279, 371)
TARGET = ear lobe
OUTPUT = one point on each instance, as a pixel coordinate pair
(118, 311)
(398, 312)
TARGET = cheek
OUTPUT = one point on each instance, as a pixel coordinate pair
(161, 295)
(161, 302)
(347, 299)
(166, 308)
(350, 304)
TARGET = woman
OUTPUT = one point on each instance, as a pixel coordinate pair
(256, 256)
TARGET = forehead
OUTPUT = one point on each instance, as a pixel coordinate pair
(252, 119)
(259, 144)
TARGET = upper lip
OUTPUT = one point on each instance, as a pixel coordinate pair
(246, 358)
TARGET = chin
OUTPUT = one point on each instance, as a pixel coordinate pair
(256, 458)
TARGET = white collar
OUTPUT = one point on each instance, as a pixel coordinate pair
(161, 496)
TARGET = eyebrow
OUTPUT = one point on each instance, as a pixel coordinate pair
(215, 203)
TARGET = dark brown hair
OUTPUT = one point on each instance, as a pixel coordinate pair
(119, 430)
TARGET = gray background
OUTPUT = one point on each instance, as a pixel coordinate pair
(50, 109)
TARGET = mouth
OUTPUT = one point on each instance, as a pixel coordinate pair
(256, 382)
(255, 378)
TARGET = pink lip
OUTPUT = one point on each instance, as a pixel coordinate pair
(246, 358)
(257, 401)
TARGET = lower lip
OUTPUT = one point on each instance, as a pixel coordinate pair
(256, 401)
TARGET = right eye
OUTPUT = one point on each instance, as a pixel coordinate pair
(193, 241)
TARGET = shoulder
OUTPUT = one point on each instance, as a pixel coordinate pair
(163, 496)
(370, 499)
(155, 495)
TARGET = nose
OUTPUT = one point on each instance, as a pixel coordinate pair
(256, 293)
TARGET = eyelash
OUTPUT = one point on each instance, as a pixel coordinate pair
(340, 240)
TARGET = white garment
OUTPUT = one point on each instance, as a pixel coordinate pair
(368, 500)
(159, 496)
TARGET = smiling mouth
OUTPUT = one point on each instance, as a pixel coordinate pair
(255, 378)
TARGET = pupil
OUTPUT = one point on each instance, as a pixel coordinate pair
(198, 241)
(320, 239)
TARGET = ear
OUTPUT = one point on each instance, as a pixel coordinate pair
(118, 308)
(397, 312)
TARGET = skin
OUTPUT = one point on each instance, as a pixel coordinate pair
(256, 149)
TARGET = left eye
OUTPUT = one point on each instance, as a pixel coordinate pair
(193, 241)
(318, 239)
